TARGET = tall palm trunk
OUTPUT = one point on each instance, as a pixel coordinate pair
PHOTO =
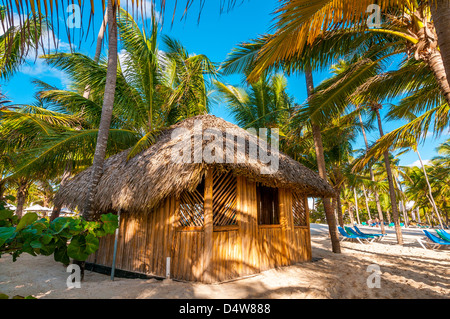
(107, 108)
(87, 92)
(402, 203)
(22, 194)
(393, 197)
(317, 135)
(430, 193)
(436, 64)
(367, 202)
(339, 207)
(2, 188)
(440, 11)
(372, 178)
(350, 213)
(356, 206)
(98, 49)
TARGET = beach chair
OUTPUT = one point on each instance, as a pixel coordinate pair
(443, 234)
(347, 236)
(433, 241)
(352, 232)
(359, 232)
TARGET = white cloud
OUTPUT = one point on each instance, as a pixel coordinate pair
(417, 163)
(35, 66)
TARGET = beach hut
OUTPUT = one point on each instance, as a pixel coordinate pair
(197, 206)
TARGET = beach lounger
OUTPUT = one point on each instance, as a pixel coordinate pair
(352, 232)
(433, 241)
(443, 234)
(347, 236)
(359, 232)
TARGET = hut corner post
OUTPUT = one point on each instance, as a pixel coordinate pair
(208, 227)
(113, 267)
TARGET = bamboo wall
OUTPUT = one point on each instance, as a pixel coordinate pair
(208, 253)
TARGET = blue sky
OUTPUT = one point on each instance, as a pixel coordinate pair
(215, 35)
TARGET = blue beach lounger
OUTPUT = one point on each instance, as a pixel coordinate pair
(443, 234)
(359, 232)
(347, 236)
(433, 241)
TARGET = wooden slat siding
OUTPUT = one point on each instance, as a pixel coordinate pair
(208, 226)
(285, 227)
(308, 231)
(290, 221)
(249, 228)
(254, 228)
(187, 256)
(244, 249)
(171, 226)
(243, 225)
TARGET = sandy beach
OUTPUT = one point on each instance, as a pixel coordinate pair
(407, 271)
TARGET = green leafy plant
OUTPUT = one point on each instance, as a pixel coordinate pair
(64, 237)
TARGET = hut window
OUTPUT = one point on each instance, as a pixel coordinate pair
(299, 209)
(224, 199)
(191, 207)
(268, 208)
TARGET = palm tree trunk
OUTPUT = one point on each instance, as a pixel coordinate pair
(440, 11)
(356, 206)
(367, 203)
(393, 197)
(98, 49)
(372, 178)
(107, 108)
(22, 193)
(2, 188)
(350, 213)
(339, 208)
(430, 193)
(436, 64)
(317, 135)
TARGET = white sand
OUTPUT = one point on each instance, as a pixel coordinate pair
(407, 271)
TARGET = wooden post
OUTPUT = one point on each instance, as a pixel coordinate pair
(208, 227)
(116, 239)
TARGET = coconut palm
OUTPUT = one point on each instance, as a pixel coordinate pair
(140, 110)
(300, 23)
(263, 104)
(17, 42)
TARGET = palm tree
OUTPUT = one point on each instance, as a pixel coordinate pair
(262, 104)
(375, 107)
(317, 136)
(137, 106)
(16, 42)
(300, 23)
(108, 103)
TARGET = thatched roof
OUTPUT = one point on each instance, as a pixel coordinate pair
(140, 183)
